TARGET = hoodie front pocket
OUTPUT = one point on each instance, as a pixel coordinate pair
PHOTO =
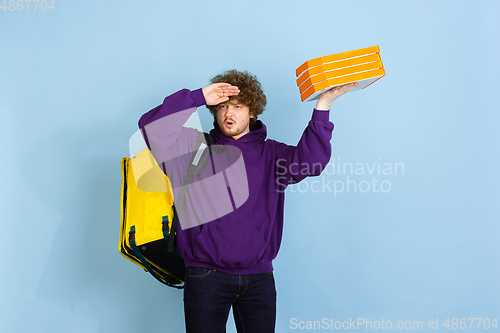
(229, 244)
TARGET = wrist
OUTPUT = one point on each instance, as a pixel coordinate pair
(198, 97)
(321, 105)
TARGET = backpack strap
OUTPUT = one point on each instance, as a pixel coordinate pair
(203, 150)
(166, 237)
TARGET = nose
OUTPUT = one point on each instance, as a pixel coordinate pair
(230, 110)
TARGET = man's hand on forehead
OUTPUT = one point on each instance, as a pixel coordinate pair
(217, 93)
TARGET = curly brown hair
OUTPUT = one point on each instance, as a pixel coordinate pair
(251, 93)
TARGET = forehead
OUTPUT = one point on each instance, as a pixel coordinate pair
(232, 101)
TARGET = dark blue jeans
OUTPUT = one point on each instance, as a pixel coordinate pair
(209, 295)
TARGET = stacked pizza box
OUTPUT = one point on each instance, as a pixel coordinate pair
(318, 75)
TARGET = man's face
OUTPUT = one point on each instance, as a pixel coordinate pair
(233, 118)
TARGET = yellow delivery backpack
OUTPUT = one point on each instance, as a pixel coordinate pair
(146, 217)
(149, 216)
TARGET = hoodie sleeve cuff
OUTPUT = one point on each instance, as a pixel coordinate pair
(321, 115)
(198, 98)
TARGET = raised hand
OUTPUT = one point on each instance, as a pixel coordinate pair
(326, 98)
(217, 93)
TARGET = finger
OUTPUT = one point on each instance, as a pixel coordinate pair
(231, 91)
(226, 86)
(223, 84)
(346, 87)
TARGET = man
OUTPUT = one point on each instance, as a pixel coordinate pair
(229, 259)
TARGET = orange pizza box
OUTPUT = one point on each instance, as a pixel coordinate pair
(364, 78)
(336, 57)
(337, 65)
(339, 73)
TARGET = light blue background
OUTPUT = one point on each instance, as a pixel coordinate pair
(74, 81)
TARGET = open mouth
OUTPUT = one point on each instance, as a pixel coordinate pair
(229, 123)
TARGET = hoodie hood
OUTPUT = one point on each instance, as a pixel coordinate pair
(257, 134)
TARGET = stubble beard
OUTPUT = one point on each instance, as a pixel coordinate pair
(236, 130)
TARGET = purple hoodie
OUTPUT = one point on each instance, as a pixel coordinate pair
(245, 235)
